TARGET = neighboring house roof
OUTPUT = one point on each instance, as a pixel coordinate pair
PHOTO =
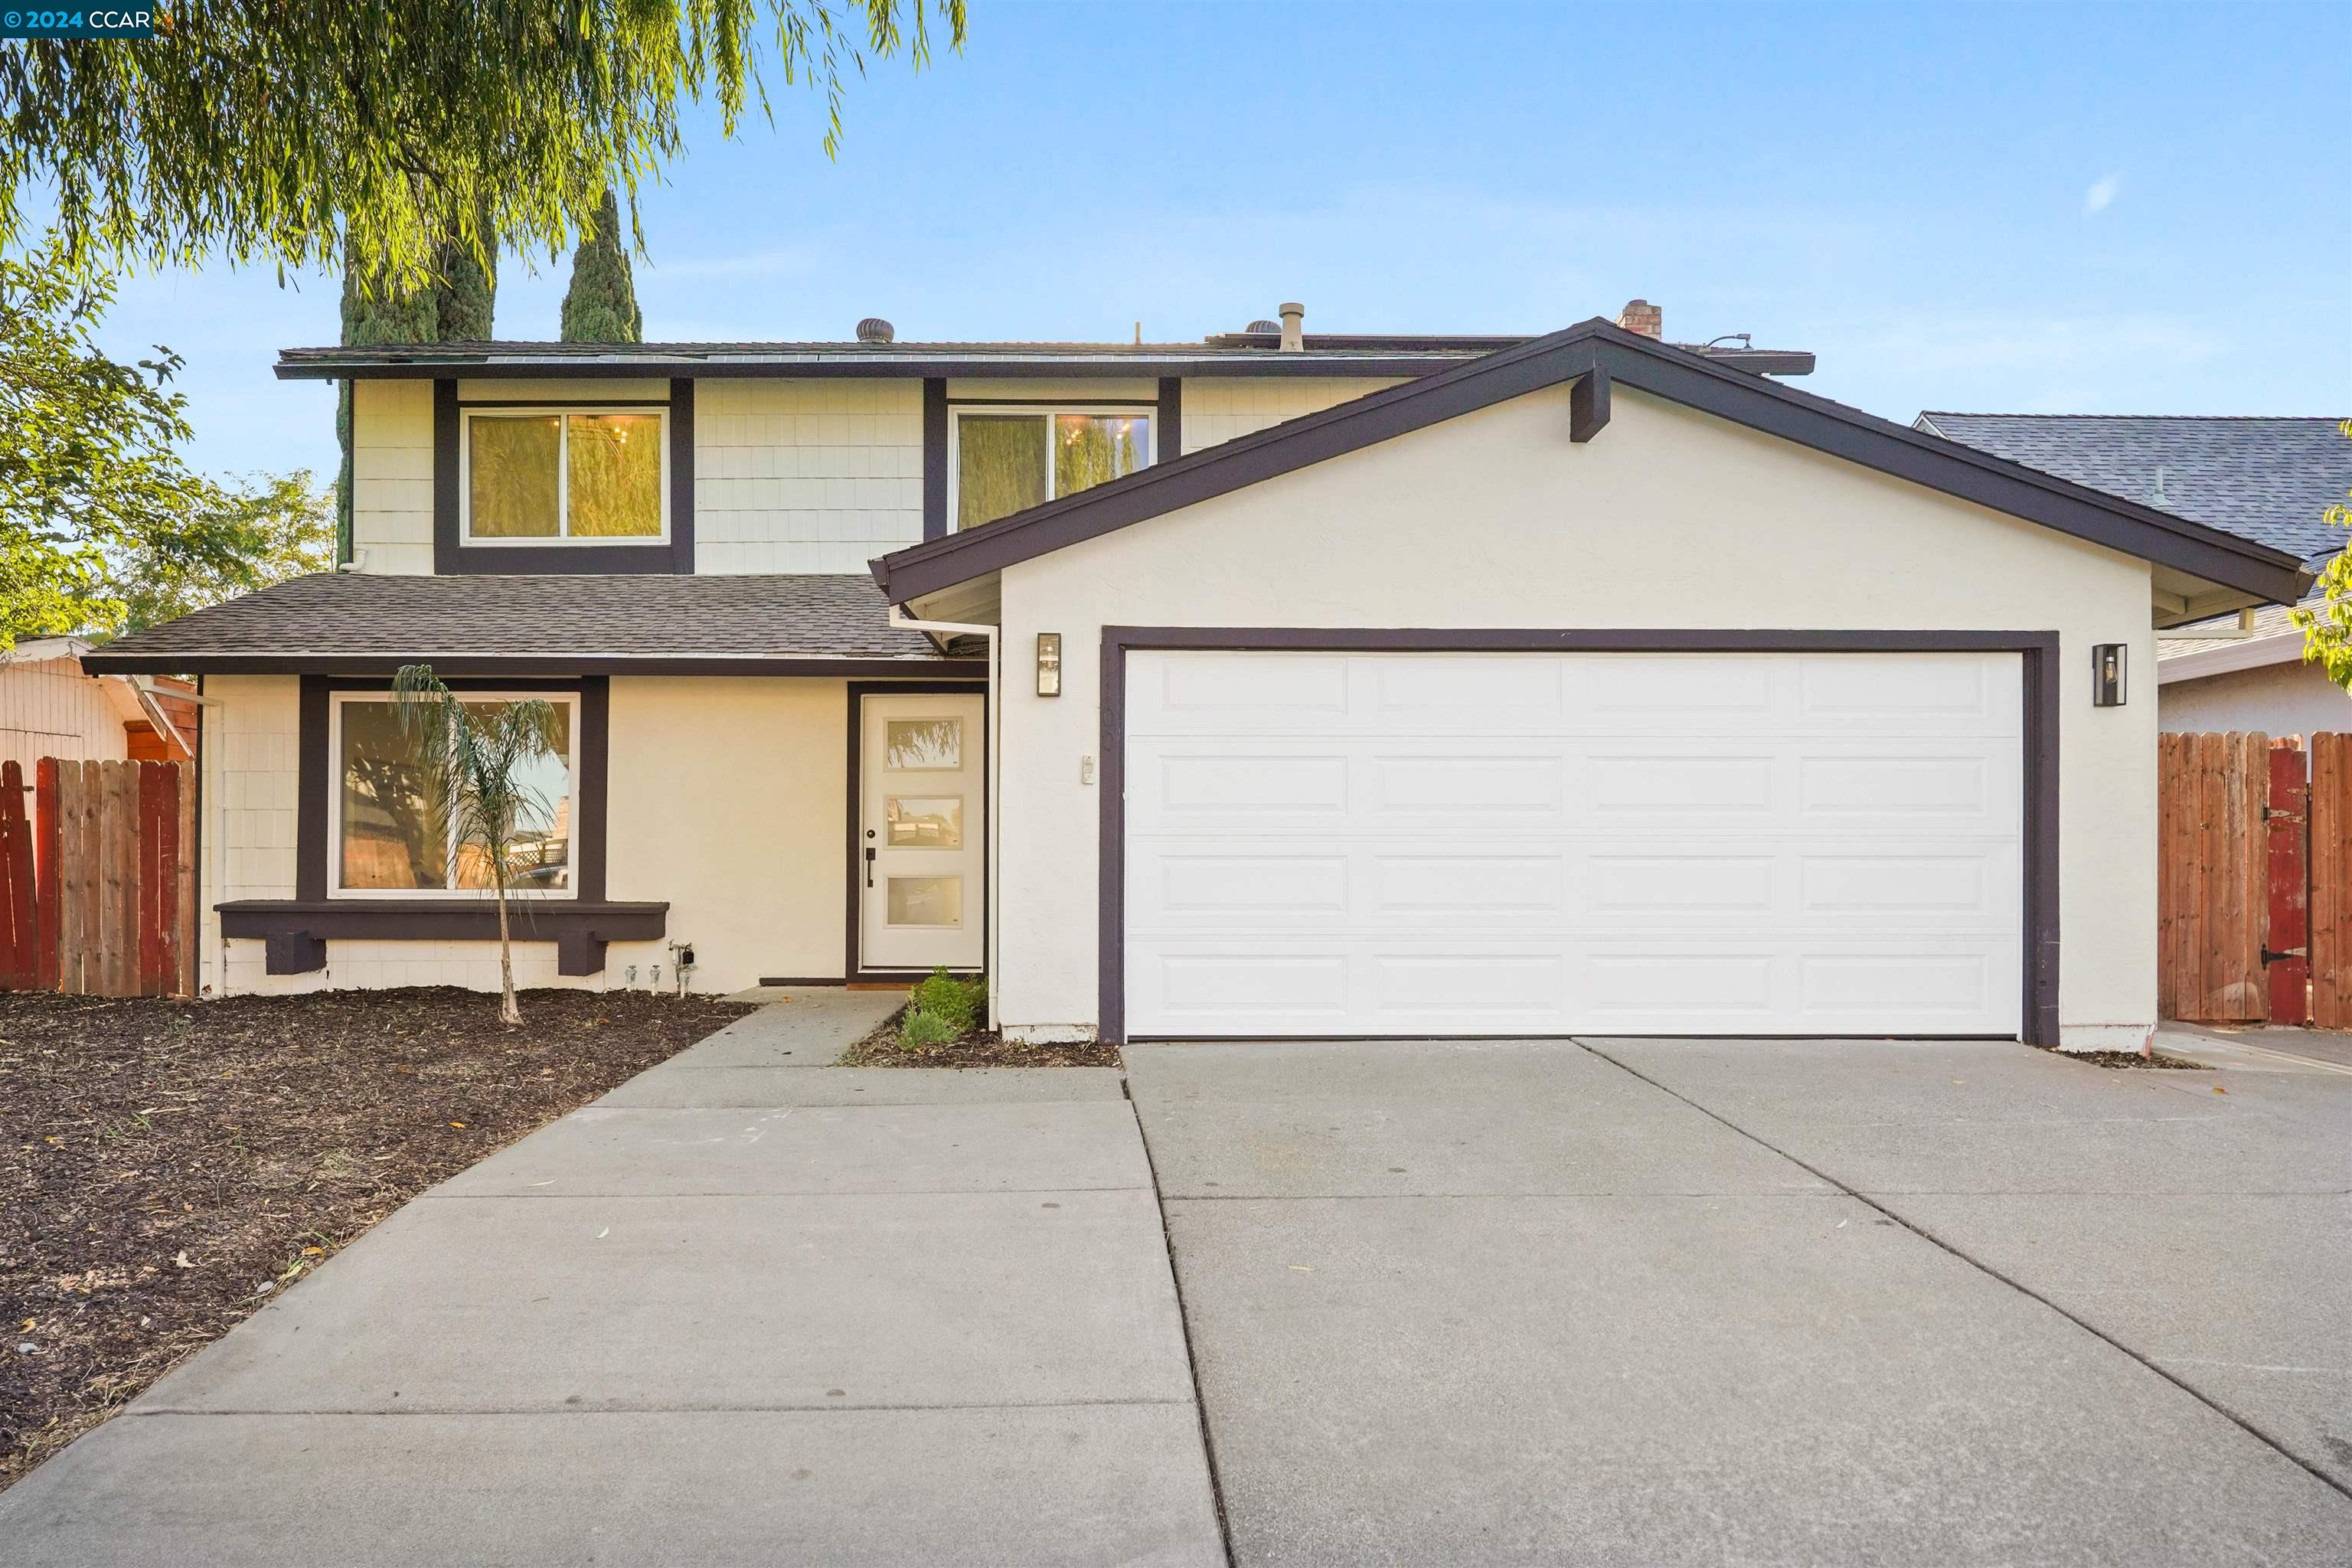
(2264, 479)
(1226, 353)
(1594, 354)
(570, 622)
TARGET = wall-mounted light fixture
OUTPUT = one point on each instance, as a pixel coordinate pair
(2108, 675)
(1049, 664)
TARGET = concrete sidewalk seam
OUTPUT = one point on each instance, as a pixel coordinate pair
(1455, 1197)
(2241, 1422)
(1184, 1322)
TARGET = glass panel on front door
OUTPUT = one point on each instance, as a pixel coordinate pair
(921, 832)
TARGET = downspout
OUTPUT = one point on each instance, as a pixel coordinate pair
(944, 630)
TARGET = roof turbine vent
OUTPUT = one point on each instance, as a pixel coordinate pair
(875, 330)
(1262, 325)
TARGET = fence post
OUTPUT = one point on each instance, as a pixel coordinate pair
(2330, 814)
(2286, 943)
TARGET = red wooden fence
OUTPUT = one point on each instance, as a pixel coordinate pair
(98, 890)
(2255, 880)
(2331, 881)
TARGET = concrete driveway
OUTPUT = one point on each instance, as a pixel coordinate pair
(1686, 1302)
(747, 1309)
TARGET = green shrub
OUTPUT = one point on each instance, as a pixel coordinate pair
(954, 1003)
(922, 1029)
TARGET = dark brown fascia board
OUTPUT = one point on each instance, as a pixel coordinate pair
(1247, 364)
(1676, 374)
(166, 662)
(444, 920)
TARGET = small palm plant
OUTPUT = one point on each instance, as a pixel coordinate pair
(472, 762)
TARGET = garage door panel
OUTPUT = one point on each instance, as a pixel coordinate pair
(1619, 843)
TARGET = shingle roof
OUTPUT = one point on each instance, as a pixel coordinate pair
(2263, 479)
(571, 621)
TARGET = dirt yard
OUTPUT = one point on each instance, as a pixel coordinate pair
(881, 1049)
(170, 1166)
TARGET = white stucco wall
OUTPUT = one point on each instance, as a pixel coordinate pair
(2276, 698)
(1669, 519)
(1221, 408)
(725, 797)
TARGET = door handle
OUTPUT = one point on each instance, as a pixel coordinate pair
(869, 865)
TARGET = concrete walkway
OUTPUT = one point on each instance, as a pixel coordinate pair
(1659, 1301)
(749, 1307)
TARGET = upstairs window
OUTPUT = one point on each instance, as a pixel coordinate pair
(1006, 458)
(557, 475)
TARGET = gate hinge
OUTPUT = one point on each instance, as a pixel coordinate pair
(2273, 813)
(2273, 955)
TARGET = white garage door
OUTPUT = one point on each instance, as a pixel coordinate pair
(1497, 844)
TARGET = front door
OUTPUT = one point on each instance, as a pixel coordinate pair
(922, 831)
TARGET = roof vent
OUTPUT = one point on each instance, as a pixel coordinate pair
(875, 330)
(1262, 325)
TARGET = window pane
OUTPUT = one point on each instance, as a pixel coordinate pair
(539, 854)
(392, 837)
(926, 901)
(615, 475)
(1091, 447)
(1000, 466)
(513, 471)
(925, 822)
(920, 745)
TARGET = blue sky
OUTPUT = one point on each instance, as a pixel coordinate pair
(2097, 209)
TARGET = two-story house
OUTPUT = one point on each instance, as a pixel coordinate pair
(1277, 684)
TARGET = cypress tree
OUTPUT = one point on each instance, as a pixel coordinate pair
(464, 293)
(601, 305)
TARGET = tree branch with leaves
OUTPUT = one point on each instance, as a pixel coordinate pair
(250, 131)
(2326, 626)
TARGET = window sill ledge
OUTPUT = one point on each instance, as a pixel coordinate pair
(298, 930)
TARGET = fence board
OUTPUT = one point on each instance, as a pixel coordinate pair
(45, 872)
(2331, 881)
(117, 879)
(2288, 926)
(186, 929)
(2212, 876)
(19, 943)
(152, 902)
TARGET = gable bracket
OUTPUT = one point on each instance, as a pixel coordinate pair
(1588, 404)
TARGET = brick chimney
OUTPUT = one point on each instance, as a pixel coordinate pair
(1640, 316)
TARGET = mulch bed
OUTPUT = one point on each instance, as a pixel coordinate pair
(176, 1165)
(881, 1049)
(2157, 1060)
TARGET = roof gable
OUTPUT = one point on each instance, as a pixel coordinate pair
(1595, 354)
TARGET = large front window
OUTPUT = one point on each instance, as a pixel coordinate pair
(395, 835)
(548, 476)
(1008, 458)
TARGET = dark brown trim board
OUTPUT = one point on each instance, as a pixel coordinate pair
(452, 557)
(1168, 441)
(370, 365)
(935, 457)
(314, 914)
(854, 808)
(1591, 348)
(2039, 652)
(514, 666)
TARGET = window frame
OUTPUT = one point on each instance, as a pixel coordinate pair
(1145, 409)
(467, 413)
(573, 699)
